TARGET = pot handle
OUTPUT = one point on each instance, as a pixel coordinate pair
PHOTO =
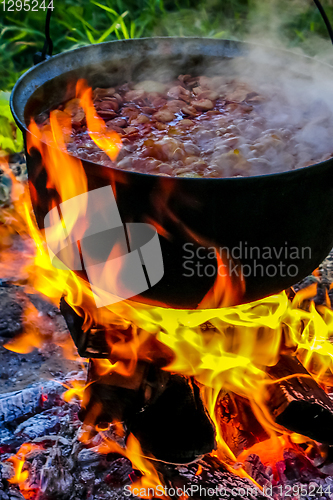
(325, 18)
(48, 44)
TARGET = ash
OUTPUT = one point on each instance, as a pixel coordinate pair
(62, 467)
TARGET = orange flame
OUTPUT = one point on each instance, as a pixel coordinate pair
(232, 353)
(225, 290)
(150, 481)
(18, 461)
(269, 451)
(74, 391)
(107, 140)
(31, 338)
(199, 470)
(12, 222)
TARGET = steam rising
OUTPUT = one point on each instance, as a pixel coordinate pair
(289, 125)
(299, 106)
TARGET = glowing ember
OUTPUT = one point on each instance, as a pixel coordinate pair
(21, 476)
(150, 478)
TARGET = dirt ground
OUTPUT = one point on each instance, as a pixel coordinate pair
(22, 312)
(18, 370)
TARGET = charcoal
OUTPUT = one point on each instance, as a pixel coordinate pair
(39, 425)
(118, 403)
(89, 457)
(7, 438)
(177, 427)
(55, 477)
(254, 467)
(7, 470)
(15, 494)
(119, 472)
(326, 269)
(213, 475)
(87, 476)
(52, 439)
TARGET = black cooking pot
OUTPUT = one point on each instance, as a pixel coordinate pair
(276, 228)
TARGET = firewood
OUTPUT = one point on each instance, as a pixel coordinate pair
(239, 427)
(298, 403)
(210, 478)
(28, 401)
(176, 428)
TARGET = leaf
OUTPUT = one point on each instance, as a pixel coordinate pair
(89, 35)
(123, 26)
(132, 29)
(220, 34)
(82, 20)
(104, 7)
(11, 139)
(108, 32)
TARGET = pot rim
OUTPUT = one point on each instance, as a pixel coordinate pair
(24, 128)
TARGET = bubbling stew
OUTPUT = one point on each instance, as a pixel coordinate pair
(202, 127)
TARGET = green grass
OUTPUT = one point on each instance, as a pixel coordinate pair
(75, 23)
(79, 22)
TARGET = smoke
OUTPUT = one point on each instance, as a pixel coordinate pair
(293, 24)
(296, 25)
(297, 108)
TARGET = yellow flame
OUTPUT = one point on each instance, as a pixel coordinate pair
(18, 462)
(150, 478)
(75, 390)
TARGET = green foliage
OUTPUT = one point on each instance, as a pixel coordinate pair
(76, 23)
(11, 139)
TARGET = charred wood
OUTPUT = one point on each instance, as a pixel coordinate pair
(27, 402)
(213, 477)
(297, 402)
(238, 425)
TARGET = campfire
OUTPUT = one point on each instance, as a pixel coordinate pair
(262, 371)
(230, 399)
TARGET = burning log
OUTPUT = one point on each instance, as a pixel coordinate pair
(210, 478)
(297, 402)
(29, 401)
(177, 427)
(326, 270)
(166, 414)
(239, 427)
